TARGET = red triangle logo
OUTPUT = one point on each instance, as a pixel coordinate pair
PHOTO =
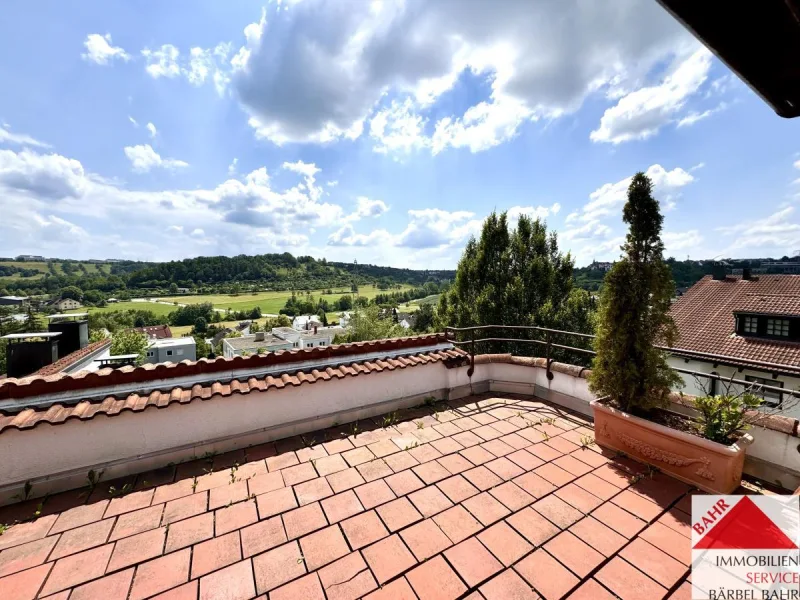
(745, 527)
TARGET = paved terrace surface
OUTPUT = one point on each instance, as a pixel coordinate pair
(491, 497)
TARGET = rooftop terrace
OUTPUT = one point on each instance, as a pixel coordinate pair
(491, 496)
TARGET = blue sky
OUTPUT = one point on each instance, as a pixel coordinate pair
(379, 131)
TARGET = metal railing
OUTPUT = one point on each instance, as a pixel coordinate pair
(547, 342)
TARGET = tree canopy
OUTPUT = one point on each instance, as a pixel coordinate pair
(128, 341)
(634, 312)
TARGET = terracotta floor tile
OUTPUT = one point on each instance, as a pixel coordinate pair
(281, 461)
(388, 558)
(275, 502)
(274, 568)
(363, 529)
(160, 574)
(251, 470)
(227, 494)
(534, 485)
(498, 447)
(400, 461)
(472, 561)
(374, 493)
(183, 508)
(572, 465)
(27, 555)
(82, 538)
(138, 548)
(266, 482)
(235, 517)
(512, 496)
(508, 586)
(231, 583)
(504, 468)
(486, 508)
(504, 543)
(425, 453)
(515, 441)
(187, 591)
(543, 451)
(637, 505)
(598, 536)
(341, 506)
(330, 464)
(455, 463)
(190, 531)
(591, 458)
(431, 472)
(215, 553)
(670, 541)
(467, 439)
(457, 488)
(137, 522)
(336, 446)
(323, 547)
(303, 520)
(345, 480)
(69, 519)
(574, 554)
(404, 482)
(457, 523)
(482, 478)
(477, 455)
(579, 498)
(298, 474)
(307, 588)
(399, 589)
(597, 487)
(383, 448)
(555, 475)
(398, 514)
(425, 539)
(358, 456)
(446, 445)
(25, 584)
(77, 568)
(561, 444)
(678, 521)
(312, 491)
(429, 501)
(591, 590)
(213, 479)
(486, 432)
(546, 575)
(684, 592)
(556, 510)
(374, 469)
(309, 453)
(262, 536)
(627, 582)
(466, 424)
(348, 578)
(657, 564)
(106, 588)
(133, 501)
(613, 474)
(619, 520)
(660, 488)
(435, 580)
(533, 526)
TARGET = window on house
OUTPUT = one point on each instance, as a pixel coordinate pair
(169, 352)
(778, 327)
(770, 397)
(750, 325)
(180, 352)
(150, 354)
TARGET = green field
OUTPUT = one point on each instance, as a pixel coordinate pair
(269, 302)
(91, 269)
(159, 309)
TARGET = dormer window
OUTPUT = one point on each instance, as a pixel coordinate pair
(750, 325)
(778, 327)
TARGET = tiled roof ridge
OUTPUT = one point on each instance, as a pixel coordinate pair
(110, 406)
(71, 358)
(36, 385)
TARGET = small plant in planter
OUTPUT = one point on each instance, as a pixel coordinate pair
(723, 419)
(631, 376)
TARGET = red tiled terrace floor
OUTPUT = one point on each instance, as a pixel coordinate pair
(491, 497)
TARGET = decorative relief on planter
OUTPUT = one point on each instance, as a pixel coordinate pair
(653, 453)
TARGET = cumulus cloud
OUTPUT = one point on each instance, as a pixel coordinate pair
(533, 212)
(44, 176)
(162, 62)
(366, 207)
(681, 240)
(100, 51)
(346, 236)
(19, 139)
(143, 158)
(539, 59)
(693, 117)
(232, 166)
(641, 113)
(776, 230)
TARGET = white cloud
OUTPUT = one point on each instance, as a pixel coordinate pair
(19, 139)
(641, 113)
(151, 129)
(175, 229)
(232, 166)
(133, 121)
(539, 59)
(332, 183)
(587, 231)
(776, 231)
(100, 51)
(143, 158)
(346, 236)
(162, 62)
(797, 164)
(693, 117)
(370, 208)
(46, 177)
(197, 232)
(674, 241)
(533, 212)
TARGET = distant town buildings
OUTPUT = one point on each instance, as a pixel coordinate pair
(280, 338)
(31, 258)
(156, 332)
(63, 304)
(18, 301)
(601, 266)
(166, 350)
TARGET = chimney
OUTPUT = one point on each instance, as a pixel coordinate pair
(747, 274)
(718, 272)
(259, 336)
(315, 330)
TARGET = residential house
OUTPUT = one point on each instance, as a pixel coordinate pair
(155, 332)
(280, 338)
(344, 319)
(752, 327)
(64, 304)
(167, 350)
(18, 301)
(306, 322)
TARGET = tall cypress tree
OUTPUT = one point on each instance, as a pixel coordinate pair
(634, 312)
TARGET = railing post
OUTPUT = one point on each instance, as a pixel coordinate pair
(549, 348)
(471, 369)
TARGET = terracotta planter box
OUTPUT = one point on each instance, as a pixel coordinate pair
(710, 466)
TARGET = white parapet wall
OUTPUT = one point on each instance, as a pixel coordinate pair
(58, 457)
